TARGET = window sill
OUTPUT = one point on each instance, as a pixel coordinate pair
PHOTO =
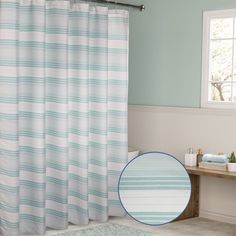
(219, 105)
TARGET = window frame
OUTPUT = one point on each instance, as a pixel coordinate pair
(207, 17)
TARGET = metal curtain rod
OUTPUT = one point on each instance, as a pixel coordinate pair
(140, 7)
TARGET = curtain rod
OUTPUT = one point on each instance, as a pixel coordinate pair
(140, 7)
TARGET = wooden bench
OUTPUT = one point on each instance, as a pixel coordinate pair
(192, 209)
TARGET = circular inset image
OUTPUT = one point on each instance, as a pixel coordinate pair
(154, 188)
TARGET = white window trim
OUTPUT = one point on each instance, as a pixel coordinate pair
(207, 16)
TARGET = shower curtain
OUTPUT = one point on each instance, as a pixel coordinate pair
(63, 113)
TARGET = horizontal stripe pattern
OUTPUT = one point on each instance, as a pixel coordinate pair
(63, 113)
(57, 46)
(155, 188)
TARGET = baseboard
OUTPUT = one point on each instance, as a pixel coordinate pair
(218, 217)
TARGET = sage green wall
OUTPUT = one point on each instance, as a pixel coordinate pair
(165, 51)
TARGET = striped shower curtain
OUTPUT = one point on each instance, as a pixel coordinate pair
(63, 113)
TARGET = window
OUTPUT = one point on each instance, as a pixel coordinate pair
(219, 59)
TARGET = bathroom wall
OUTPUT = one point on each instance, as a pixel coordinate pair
(174, 130)
(165, 51)
(165, 75)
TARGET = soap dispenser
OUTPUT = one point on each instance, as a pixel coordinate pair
(190, 158)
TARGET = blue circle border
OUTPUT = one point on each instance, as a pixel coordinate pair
(139, 157)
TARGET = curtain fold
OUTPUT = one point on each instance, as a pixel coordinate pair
(63, 113)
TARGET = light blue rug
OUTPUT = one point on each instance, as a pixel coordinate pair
(107, 229)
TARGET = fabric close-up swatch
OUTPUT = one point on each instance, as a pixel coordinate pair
(154, 188)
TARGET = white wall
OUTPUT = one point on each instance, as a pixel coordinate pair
(174, 130)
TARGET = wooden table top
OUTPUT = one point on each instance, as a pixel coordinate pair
(207, 172)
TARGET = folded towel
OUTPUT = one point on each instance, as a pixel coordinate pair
(213, 166)
(215, 158)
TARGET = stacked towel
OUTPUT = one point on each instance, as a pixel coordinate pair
(213, 165)
(212, 158)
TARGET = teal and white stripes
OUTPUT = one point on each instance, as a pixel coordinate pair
(63, 113)
(154, 188)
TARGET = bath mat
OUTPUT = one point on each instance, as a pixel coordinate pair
(107, 229)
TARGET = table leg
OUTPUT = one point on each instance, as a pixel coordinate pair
(192, 209)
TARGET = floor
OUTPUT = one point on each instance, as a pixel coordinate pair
(192, 227)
